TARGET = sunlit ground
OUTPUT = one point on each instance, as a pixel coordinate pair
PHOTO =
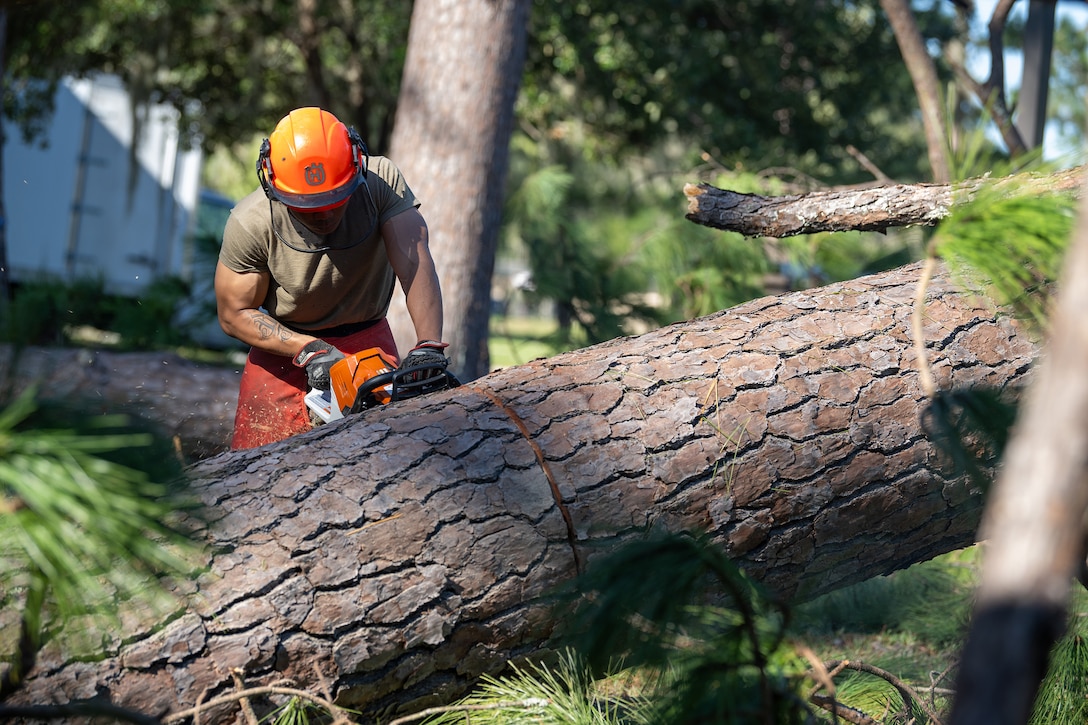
(517, 340)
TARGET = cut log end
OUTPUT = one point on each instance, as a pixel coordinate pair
(693, 192)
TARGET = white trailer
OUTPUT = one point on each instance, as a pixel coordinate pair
(91, 200)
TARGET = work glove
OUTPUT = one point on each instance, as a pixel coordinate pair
(317, 357)
(426, 352)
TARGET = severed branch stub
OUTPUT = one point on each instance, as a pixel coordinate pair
(872, 209)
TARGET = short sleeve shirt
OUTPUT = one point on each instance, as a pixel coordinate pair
(317, 282)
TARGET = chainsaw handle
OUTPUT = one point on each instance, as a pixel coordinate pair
(403, 389)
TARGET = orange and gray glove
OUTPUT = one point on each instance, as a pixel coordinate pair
(429, 353)
(317, 357)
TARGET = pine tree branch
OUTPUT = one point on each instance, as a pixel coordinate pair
(905, 691)
(866, 210)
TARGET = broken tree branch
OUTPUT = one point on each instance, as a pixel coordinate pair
(874, 209)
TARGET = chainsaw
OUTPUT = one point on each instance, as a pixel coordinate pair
(370, 378)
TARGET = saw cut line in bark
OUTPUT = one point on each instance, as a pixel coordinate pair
(874, 209)
(544, 467)
(787, 429)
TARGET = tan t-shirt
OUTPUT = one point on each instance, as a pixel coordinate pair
(312, 290)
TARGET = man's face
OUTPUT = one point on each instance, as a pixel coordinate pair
(320, 222)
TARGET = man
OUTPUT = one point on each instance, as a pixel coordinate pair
(307, 270)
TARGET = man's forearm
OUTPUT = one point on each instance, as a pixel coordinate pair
(265, 332)
(424, 303)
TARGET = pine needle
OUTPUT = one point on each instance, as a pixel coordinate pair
(1009, 248)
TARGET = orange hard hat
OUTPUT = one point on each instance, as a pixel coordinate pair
(311, 161)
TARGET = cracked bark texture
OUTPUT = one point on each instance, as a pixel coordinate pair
(403, 552)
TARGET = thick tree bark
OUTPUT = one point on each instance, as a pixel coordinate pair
(871, 209)
(405, 551)
(454, 119)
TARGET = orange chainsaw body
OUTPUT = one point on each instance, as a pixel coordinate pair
(371, 378)
(349, 374)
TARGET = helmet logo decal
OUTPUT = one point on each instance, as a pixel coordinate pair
(315, 174)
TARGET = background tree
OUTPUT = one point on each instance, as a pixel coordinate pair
(452, 137)
(631, 103)
(991, 92)
(1066, 107)
(231, 68)
(799, 91)
(923, 72)
(5, 281)
(39, 44)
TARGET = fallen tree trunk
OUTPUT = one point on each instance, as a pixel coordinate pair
(193, 404)
(403, 552)
(873, 209)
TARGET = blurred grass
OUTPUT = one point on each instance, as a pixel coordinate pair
(518, 340)
(910, 623)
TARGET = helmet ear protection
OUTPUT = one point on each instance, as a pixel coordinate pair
(267, 175)
(264, 168)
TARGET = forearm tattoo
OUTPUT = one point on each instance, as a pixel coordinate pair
(268, 327)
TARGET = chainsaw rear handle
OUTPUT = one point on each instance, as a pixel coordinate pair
(402, 388)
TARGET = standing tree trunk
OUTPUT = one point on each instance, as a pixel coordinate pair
(991, 92)
(403, 552)
(1035, 77)
(451, 140)
(923, 74)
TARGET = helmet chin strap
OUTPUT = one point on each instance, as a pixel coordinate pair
(372, 207)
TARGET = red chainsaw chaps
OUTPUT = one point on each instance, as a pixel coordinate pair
(271, 395)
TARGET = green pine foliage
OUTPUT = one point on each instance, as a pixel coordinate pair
(296, 711)
(1063, 695)
(870, 695)
(1010, 248)
(560, 692)
(676, 606)
(89, 519)
(1005, 245)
